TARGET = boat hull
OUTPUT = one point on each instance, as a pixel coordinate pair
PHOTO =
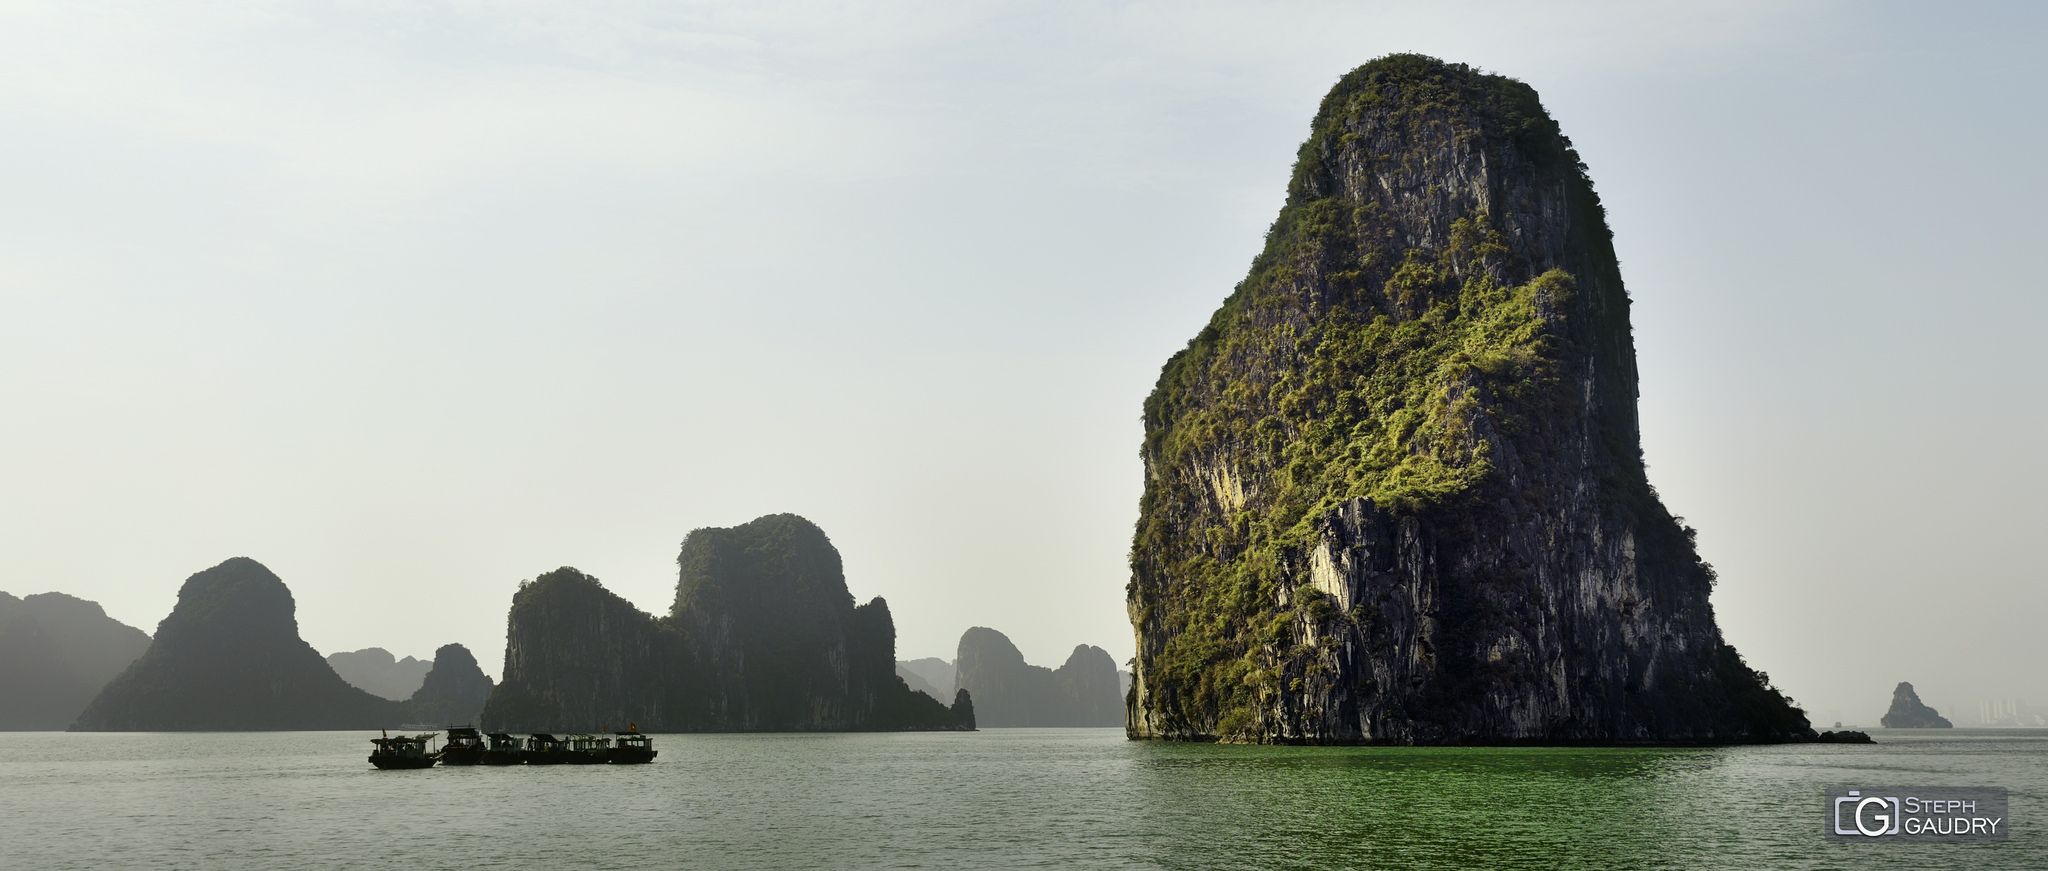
(631, 756)
(394, 763)
(462, 755)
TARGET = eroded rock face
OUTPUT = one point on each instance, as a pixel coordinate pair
(1908, 713)
(1394, 490)
(580, 658)
(1011, 692)
(229, 658)
(764, 636)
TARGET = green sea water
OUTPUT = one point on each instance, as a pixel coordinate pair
(999, 798)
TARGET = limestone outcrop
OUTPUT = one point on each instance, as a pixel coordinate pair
(375, 671)
(763, 636)
(1908, 713)
(453, 692)
(1394, 490)
(229, 658)
(56, 652)
(1011, 692)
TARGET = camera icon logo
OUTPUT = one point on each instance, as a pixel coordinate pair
(1867, 815)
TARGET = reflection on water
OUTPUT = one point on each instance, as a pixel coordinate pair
(1001, 798)
(1416, 808)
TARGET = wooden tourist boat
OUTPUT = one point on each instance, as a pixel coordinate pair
(464, 747)
(503, 749)
(404, 751)
(468, 746)
(544, 749)
(588, 750)
(632, 748)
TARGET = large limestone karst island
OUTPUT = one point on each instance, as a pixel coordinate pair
(229, 658)
(1394, 491)
(763, 636)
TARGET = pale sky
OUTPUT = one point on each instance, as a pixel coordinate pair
(411, 301)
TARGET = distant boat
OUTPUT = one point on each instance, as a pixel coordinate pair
(464, 747)
(404, 751)
(633, 748)
(588, 750)
(544, 749)
(467, 746)
(503, 750)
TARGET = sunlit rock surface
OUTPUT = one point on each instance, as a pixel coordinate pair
(1394, 490)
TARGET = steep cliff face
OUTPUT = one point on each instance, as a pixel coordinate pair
(229, 657)
(1011, 692)
(453, 691)
(578, 657)
(767, 613)
(1089, 680)
(1394, 490)
(375, 671)
(56, 652)
(764, 636)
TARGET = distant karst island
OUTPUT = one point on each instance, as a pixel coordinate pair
(229, 658)
(1011, 692)
(375, 671)
(763, 636)
(1087, 690)
(56, 652)
(1907, 712)
(1394, 490)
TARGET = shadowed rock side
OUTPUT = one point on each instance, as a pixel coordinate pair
(1010, 692)
(578, 657)
(1394, 491)
(229, 658)
(56, 652)
(1908, 713)
(763, 637)
(453, 692)
(375, 671)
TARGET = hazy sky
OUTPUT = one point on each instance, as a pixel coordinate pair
(410, 301)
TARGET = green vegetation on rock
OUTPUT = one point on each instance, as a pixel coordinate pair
(1435, 340)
